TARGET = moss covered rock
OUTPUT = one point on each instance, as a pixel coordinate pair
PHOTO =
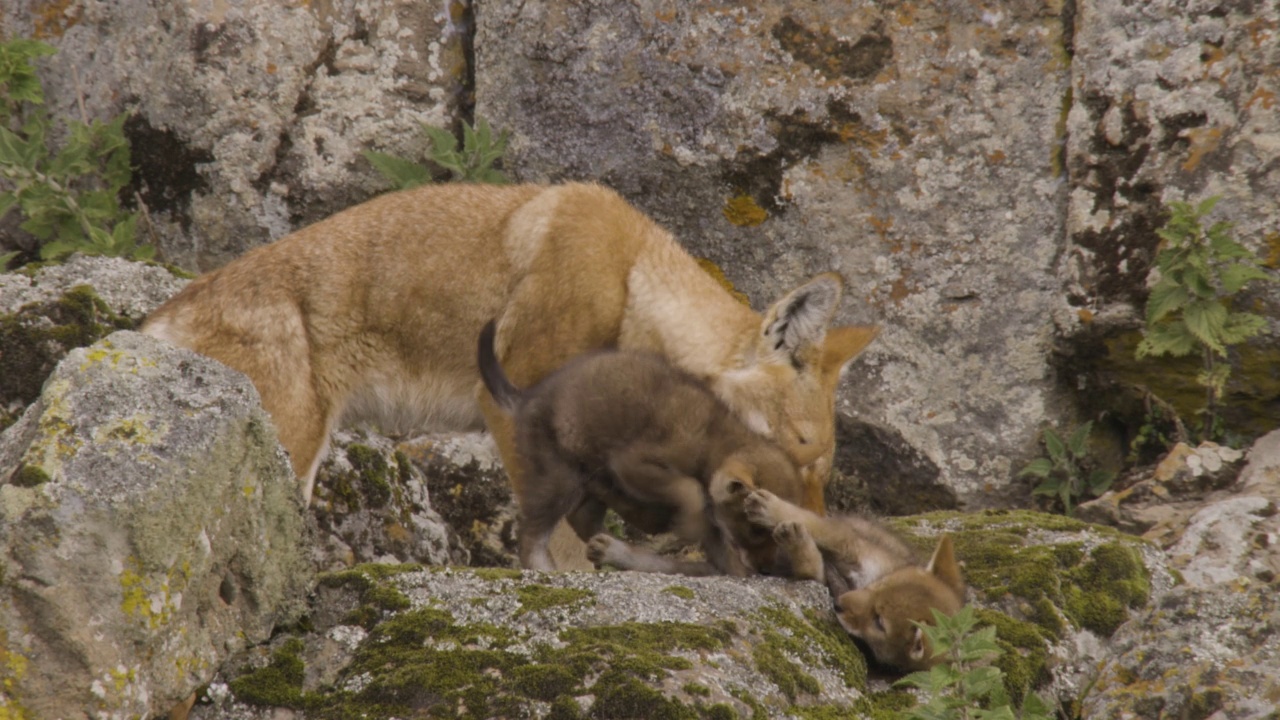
(481, 644)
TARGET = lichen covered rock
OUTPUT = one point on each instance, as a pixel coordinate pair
(371, 504)
(501, 643)
(52, 309)
(149, 525)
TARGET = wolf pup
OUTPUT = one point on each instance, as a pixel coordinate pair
(880, 591)
(631, 432)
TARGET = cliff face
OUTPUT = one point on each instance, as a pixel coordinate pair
(988, 179)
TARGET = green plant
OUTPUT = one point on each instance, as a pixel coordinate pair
(1188, 310)
(69, 197)
(966, 686)
(472, 163)
(1065, 473)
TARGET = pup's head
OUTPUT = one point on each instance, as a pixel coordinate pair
(882, 614)
(785, 382)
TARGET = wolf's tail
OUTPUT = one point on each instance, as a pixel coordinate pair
(504, 393)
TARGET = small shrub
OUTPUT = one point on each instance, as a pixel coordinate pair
(1065, 474)
(1189, 308)
(472, 163)
(69, 197)
(968, 686)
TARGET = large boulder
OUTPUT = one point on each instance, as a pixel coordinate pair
(150, 525)
(248, 118)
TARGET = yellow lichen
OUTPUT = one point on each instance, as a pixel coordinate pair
(743, 211)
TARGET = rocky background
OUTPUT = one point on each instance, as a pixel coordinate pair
(988, 177)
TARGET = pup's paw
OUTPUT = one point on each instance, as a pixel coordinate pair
(788, 534)
(604, 549)
(759, 508)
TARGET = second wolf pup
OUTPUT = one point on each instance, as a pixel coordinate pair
(879, 588)
(628, 431)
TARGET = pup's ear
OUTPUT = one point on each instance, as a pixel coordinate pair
(801, 317)
(918, 646)
(943, 566)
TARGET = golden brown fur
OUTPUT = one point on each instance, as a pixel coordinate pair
(373, 313)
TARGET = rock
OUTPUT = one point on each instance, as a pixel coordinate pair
(910, 148)
(502, 643)
(1171, 101)
(1211, 647)
(248, 119)
(150, 525)
(470, 490)
(372, 505)
(46, 312)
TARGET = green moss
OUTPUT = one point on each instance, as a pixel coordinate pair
(680, 591)
(789, 643)
(719, 711)
(1093, 588)
(696, 690)
(373, 472)
(37, 336)
(377, 596)
(535, 598)
(493, 573)
(279, 684)
(619, 695)
(30, 476)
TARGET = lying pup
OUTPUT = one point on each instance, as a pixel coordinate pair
(880, 591)
(632, 432)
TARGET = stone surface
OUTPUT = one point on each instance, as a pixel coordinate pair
(469, 489)
(371, 504)
(1171, 100)
(45, 313)
(507, 644)
(1211, 646)
(249, 117)
(909, 146)
(149, 526)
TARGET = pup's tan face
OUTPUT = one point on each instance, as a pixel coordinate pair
(884, 614)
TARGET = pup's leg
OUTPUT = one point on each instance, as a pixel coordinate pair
(550, 494)
(587, 520)
(767, 510)
(644, 473)
(606, 549)
(806, 558)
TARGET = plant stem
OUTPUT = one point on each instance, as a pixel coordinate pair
(1211, 397)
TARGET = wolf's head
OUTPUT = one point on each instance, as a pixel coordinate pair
(883, 614)
(786, 376)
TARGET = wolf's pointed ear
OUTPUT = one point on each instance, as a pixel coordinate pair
(943, 566)
(843, 344)
(801, 317)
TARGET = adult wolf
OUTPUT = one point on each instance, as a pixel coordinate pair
(373, 314)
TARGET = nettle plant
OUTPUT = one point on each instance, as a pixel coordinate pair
(68, 196)
(1066, 473)
(1190, 309)
(968, 686)
(473, 162)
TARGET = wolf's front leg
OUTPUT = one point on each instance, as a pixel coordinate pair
(604, 549)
